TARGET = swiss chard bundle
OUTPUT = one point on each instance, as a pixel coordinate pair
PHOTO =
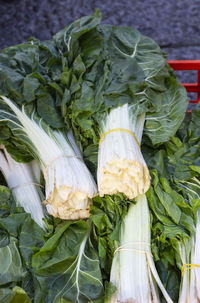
(69, 185)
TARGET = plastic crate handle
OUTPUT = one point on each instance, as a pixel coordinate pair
(189, 65)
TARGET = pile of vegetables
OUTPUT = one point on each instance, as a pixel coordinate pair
(100, 171)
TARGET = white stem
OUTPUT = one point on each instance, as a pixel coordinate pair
(35, 170)
(133, 270)
(184, 295)
(121, 166)
(21, 182)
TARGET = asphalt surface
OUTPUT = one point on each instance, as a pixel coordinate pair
(173, 24)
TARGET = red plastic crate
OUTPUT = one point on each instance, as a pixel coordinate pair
(189, 65)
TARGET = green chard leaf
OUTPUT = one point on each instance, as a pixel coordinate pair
(66, 269)
(107, 214)
(11, 264)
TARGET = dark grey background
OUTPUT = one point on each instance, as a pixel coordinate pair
(174, 24)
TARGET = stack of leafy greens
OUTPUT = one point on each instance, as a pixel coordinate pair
(111, 86)
(174, 202)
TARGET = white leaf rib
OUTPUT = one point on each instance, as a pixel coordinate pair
(92, 277)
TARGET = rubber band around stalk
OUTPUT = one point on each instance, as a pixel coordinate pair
(122, 130)
(186, 267)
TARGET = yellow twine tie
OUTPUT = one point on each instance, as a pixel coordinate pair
(26, 184)
(186, 267)
(120, 130)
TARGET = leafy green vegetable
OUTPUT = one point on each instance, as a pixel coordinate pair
(107, 214)
(171, 279)
(64, 262)
(126, 67)
(35, 73)
(15, 295)
(11, 264)
(16, 247)
(83, 72)
(178, 161)
(75, 79)
(172, 223)
(67, 267)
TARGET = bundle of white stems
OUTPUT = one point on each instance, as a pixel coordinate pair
(69, 185)
(195, 259)
(23, 185)
(72, 202)
(133, 270)
(184, 293)
(190, 283)
(121, 166)
(122, 169)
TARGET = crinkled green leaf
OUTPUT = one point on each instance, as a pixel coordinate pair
(5, 201)
(67, 267)
(30, 86)
(11, 269)
(6, 295)
(170, 279)
(107, 214)
(30, 239)
(46, 109)
(129, 68)
(15, 295)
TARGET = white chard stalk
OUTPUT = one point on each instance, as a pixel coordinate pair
(195, 259)
(69, 185)
(21, 181)
(190, 280)
(133, 271)
(184, 294)
(121, 166)
(36, 170)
